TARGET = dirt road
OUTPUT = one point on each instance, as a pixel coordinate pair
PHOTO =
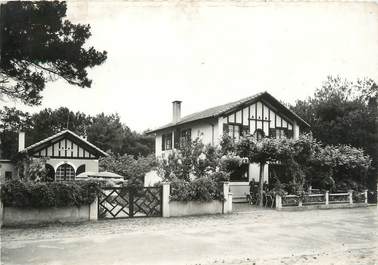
(343, 236)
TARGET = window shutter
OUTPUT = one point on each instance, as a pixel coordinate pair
(163, 142)
(177, 134)
(272, 132)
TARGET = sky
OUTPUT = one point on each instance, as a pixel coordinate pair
(207, 53)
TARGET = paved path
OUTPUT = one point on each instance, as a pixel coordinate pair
(343, 236)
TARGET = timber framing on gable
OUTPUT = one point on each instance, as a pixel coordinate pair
(259, 114)
(65, 144)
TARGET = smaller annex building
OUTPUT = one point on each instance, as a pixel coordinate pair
(66, 154)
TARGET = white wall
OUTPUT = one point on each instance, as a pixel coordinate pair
(158, 139)
(254, 172)
(90, 164)
(206, 130)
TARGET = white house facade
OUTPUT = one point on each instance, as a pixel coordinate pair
(66, 155)
(261, 115)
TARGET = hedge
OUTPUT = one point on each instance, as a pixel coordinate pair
(21, 194)
(201, 189)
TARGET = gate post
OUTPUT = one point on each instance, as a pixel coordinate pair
(227, 199)
(278, 202)
(165, 199)
(350, 196)
(366, 196)
(326, 197)
(93, 210)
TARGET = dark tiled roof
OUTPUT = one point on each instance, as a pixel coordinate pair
(219, 110)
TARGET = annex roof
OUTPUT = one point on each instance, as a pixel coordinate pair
(60, 135)
(223, 109)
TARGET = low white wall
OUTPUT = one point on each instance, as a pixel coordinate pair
(180, 208)
(183, 208)
(26, 216)
(13, 216)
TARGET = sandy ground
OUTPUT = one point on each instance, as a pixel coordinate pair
(249, 236)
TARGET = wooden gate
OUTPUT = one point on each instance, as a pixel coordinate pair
(128, 202)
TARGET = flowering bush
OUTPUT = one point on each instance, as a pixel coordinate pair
(196, 171)
(201, 189)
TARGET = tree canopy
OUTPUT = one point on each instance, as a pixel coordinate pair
(38, 45)
(345, 112)
(105, 131)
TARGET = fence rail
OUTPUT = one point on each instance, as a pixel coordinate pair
(325, 198)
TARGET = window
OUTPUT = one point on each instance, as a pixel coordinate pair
(167, 141)
(235, 130)
(8, 175)
(50, 173)
(80, 170)
(65, 172)
(186, 135)
(280, 133)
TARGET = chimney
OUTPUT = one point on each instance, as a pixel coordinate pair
(21, 141)
(176, 114)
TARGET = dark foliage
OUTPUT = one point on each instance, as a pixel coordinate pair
(105, 131)
(38, 45)
(21, 194)
(344, 112)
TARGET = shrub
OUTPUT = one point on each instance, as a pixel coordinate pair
(16, 193)
(132, 168)
(201, 189)
(41, 195)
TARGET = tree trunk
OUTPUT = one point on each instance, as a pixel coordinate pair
(261, 184)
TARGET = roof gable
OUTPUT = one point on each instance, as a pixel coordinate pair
(64, 144)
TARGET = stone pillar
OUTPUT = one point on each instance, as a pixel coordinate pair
(326, 197)
(229, 202)
(227, 198)
(165, 199)
(93, 210)
(366, 196)
(350, 196)
(300, 202)
(226, 190)
(278, 202)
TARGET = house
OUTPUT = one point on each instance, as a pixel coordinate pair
(66, 155)
(261, 115)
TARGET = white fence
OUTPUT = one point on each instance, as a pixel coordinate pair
(322, 200)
